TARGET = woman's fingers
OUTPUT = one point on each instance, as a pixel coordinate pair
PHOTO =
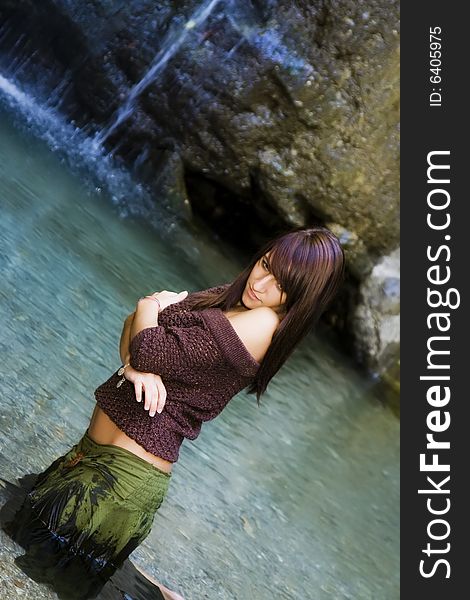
(151, 396)
(138, 390)
(161, 394)
(153, 401)
(151, 386)
(149, 393)
(153, 408)
(166, 297)
(174, 297)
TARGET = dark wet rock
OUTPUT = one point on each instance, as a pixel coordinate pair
(262, 113)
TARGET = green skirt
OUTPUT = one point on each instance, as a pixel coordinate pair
(85, 514)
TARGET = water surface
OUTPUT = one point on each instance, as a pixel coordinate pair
(295, 499)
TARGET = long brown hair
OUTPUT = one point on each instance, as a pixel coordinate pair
(309, 266)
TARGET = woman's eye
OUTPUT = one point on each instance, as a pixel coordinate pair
(265, 264)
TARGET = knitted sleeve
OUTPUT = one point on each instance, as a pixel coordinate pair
(166, 351)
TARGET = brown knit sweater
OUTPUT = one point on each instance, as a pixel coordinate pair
(203, 364)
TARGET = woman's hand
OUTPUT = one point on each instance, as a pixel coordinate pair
(165, 298)
(151, 385)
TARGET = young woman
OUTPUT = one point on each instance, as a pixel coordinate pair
(184, 357)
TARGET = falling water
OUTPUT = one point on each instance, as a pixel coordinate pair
(270, 44)
(81, 151)
(170, 45)
(86, 157)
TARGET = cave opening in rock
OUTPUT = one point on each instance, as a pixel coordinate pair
(243, 221)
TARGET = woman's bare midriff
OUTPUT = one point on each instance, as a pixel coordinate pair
(103, 431)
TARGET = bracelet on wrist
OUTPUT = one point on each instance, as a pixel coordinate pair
(121, 374)
(155, 299)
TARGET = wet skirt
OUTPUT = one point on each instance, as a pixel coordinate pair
(84, 515)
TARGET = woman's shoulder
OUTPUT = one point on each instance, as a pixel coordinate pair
(255, 328)
(262, 315)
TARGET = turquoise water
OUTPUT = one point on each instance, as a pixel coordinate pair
(298, 498)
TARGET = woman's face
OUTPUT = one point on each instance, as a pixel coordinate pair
(262, 288)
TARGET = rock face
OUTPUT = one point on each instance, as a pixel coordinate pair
(251, 114)
(376, 318)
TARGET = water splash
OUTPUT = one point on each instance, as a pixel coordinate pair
(170, 45)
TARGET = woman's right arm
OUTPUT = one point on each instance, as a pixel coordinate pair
(146, 312)
(146, 316)
(149, 383)
(126, 339)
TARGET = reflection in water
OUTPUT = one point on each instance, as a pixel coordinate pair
(300, 496)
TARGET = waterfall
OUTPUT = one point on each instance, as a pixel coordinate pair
(83, 154)
(171, 43)
(86, 157)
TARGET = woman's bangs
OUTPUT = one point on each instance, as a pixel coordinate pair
(287, 263)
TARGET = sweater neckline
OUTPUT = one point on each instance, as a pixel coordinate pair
(230, 342)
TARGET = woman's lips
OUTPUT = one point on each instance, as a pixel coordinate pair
(252, 295)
